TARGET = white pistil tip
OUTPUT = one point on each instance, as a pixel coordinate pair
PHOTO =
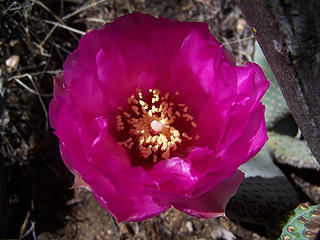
(156, 126)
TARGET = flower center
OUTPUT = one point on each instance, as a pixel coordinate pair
(155, 127)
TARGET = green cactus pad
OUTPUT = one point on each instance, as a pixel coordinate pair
(261, 166)
(291, 151)
(303, 223)
(276, 106)
(262, 200)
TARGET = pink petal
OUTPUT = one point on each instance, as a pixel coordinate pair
(192, 72)
(209, 169)
(251, 141)
(80, 74)
(252, 82)
(114, 164)
(72, 145)
(212, 203)
(122, 207)
(212, 121)
(175, 178)
(122, 204)
(60, 93)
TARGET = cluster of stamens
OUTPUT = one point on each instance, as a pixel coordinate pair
(149, 126)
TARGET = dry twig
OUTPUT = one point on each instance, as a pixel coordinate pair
(65, 27)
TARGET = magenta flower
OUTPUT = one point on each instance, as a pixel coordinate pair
(152, 114)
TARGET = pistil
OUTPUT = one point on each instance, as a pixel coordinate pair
(156, 126)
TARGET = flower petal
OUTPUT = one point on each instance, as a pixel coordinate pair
(212, 121)
(80, 74)
(113, 162)
(175, 178)
(123, 205)
(212, 203)
(60, 94)
(251, 141)
(124, 208)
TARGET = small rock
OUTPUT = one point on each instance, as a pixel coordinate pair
(241, 25)
(123, 230)
(13, 43)
(12, 62)
(189, 226)
(222, 233)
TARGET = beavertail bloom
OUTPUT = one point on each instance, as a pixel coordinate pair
(152, 114)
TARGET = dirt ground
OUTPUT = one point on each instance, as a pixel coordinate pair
(36, 201)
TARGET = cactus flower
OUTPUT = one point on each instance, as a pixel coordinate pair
(153, 113)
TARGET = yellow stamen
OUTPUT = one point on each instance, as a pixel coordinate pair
(188, 117)
(185, 109)
(126, 115)
(150, 131)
